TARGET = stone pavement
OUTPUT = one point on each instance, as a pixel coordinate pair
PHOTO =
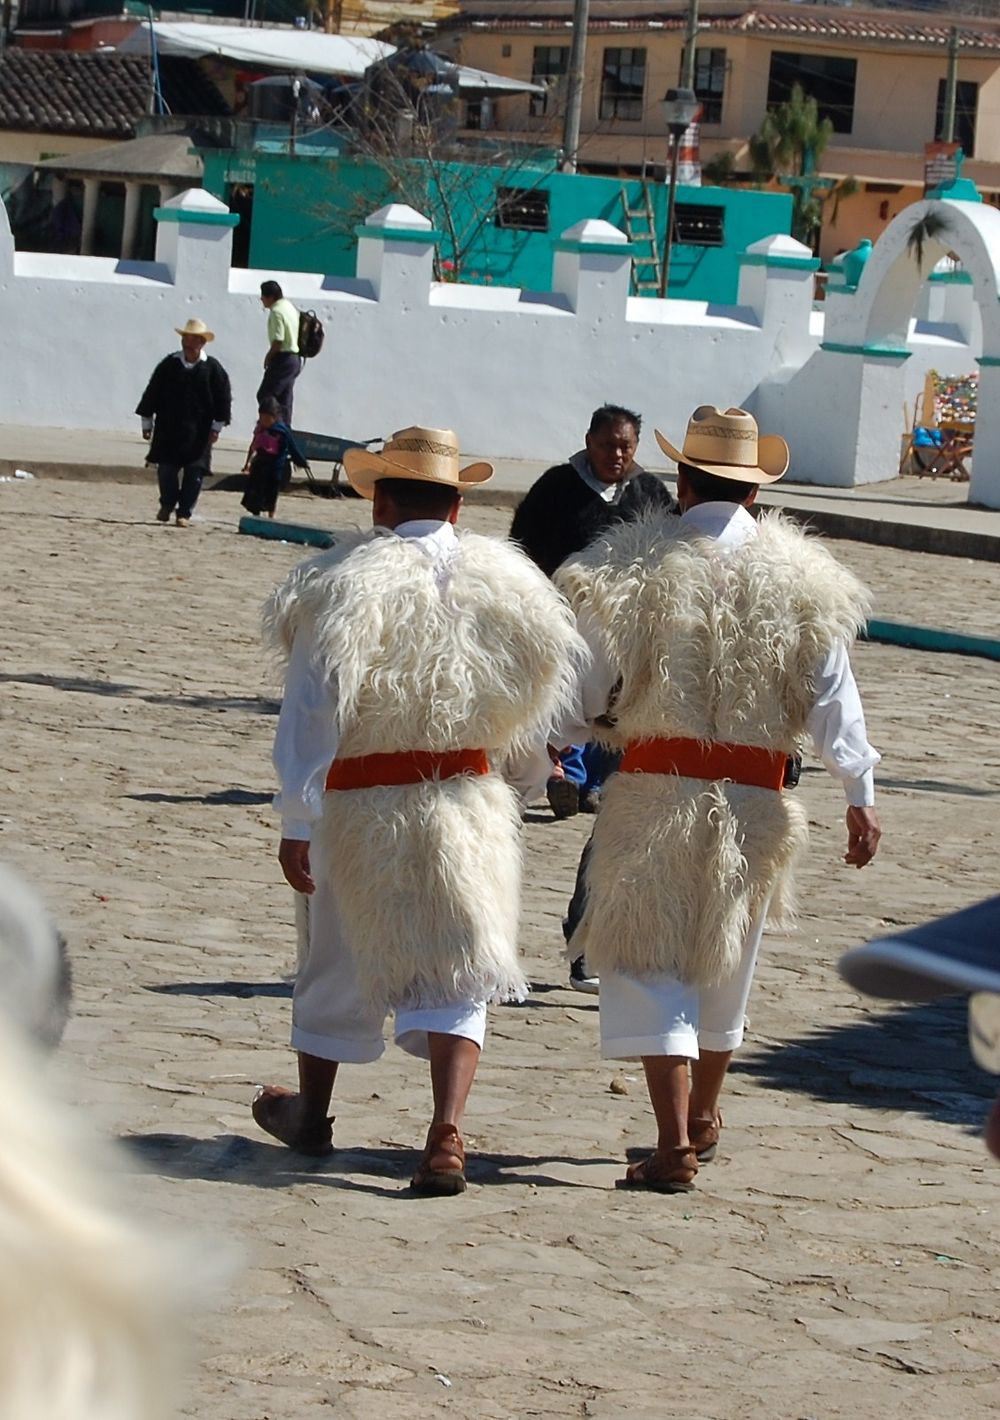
(919, 514)
(839, 1259)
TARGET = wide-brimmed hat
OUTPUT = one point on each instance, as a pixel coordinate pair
(195, 327)
(423, 455)
(727, 444)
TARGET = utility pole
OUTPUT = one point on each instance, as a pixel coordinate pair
(686, 76)
(950, 88)
(574, 85)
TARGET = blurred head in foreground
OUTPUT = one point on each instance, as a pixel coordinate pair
(89, 1306)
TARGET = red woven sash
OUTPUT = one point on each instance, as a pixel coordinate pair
(377, 771)
(698, 759)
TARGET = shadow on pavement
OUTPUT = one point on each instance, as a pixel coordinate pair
(257, 704)
(218, 796)
(913, 1058)
(223, 988)
(232, 1158)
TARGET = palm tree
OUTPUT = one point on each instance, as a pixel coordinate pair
(791, 140)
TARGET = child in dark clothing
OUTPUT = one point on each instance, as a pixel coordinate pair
(269, 459)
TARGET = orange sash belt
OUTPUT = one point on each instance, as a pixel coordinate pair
(379, 771)
(698, 759)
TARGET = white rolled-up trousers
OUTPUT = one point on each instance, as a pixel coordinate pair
(330, 1016)
(663, 1016)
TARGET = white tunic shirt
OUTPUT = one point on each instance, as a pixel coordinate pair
(307, 737)
(836, 724)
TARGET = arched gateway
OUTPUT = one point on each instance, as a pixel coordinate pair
(867, 329)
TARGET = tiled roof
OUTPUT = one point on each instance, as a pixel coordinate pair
(852, 26)
(94, 95)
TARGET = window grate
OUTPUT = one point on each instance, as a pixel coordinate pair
(697, 224)
(522, 209)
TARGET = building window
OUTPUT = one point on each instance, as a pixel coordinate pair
(825, 78)
(966, 98)
(549, 68)
(710, 82)
(623, 82)
(522, 209)
(505, 51)
(697, 224)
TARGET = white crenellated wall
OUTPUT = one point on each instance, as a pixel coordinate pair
(515, 372)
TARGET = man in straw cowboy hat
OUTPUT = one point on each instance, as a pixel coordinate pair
(418, 660)
(719, 643)
(183, 408)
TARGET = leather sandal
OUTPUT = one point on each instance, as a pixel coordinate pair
(441, 1170)
(664, 1171)
(703, 1134)
(276, 1111)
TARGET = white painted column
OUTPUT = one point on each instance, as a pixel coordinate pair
(167, 191)
(130, 220)
(91, 189)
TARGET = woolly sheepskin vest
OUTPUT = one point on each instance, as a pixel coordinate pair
(427, 876)
(710, 644)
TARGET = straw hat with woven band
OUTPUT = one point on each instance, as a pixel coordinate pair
(195, 327)
(728, 445)
(424, 455)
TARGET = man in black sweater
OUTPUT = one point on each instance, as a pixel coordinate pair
(186, 403)
(567, 508)
(574, 502)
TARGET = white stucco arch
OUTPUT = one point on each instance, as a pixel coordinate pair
(876, 316)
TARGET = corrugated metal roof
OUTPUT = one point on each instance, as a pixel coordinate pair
(822, 22)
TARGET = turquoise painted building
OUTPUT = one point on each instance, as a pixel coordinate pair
(299, 213)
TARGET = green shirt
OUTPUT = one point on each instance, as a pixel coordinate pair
(283, 325)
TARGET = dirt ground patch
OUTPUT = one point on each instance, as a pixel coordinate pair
(839, 1259)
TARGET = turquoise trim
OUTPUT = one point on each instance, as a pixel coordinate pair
(871, 352)
(427, 236)
(597, 248)
(285, 532)
(926, 638)
(950, 278)
(199, 219)
(961, 190)
(791, 263)
(989, 361)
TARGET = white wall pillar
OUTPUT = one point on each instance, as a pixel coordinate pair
(592, 268)
(6, 247)
(396, 248)
(984, 481)
(91, 192)
(194, 240)
(130, 220)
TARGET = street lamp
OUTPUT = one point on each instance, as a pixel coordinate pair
(680, 109)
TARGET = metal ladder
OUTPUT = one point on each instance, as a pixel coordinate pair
(640, 228)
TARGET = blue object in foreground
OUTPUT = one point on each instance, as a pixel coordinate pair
(285, 532)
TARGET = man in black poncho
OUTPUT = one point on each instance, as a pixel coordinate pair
(185, 405)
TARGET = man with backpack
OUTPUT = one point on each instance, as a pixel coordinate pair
(283, 361)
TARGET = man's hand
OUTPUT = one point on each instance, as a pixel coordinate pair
(147, 434)
(213, 437)
(863, 834)
(293, 855)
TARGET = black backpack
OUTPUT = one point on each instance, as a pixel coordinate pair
(311, 334)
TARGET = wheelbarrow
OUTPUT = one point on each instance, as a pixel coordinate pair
(327, 448)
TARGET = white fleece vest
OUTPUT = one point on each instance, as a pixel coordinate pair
(710, 644)
(427, 876)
